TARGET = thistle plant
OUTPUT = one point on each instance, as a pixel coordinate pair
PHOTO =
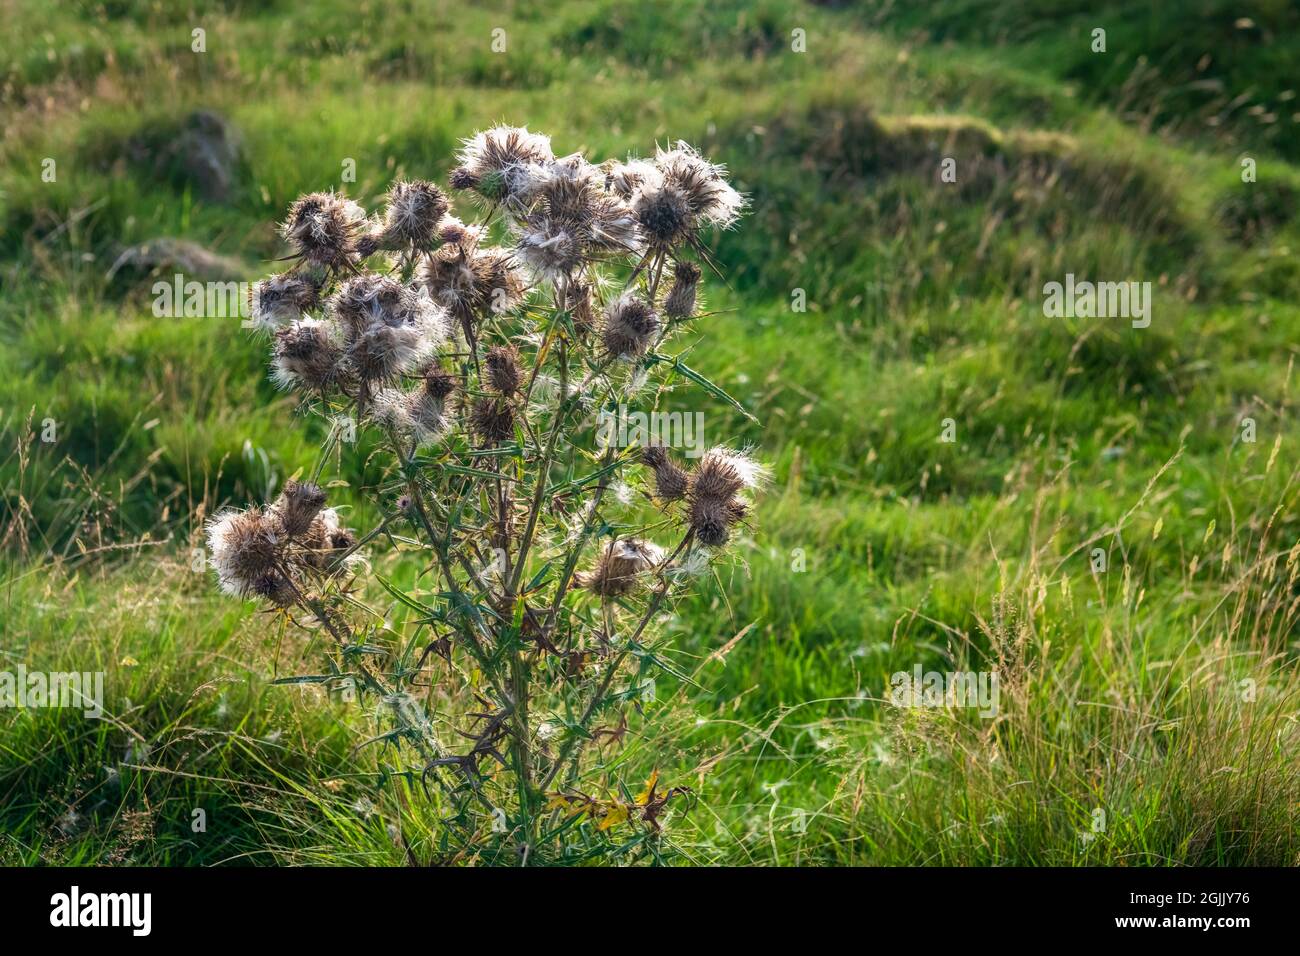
(549, 556)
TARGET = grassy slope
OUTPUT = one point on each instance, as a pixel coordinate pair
(923, 305)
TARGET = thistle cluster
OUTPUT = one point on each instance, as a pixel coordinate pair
(269, 553)
(474, 355)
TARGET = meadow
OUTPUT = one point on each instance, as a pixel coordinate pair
(1103, 514)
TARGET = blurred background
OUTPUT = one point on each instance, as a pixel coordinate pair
(872, 309)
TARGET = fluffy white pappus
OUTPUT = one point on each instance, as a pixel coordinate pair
(390, 409)
(695, 563)
(397, 343)
(242, 544)
(333, 525)
(305, 354)
(522, 182)
(549, 251)
(278, 300)
(714, 201)
(493, 150)
(644, 554)
(750, 472)
(623, 179)
(617, 227)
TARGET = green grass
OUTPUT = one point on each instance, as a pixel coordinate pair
(1121, 689)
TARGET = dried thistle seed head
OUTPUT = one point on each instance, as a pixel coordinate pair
(492, 420)
(419, 415)
(306, 355)
(570, 219)
(581, 307)
(388, 329)
(711, 198)
(680, 302)
(502, 164)
(710, 521)
(614, 228)
(503, 372)
(297, 507)
(622, 179)
(390, 410)
(369, 244)
(752, 475)
(366, 299)
(275, 588)
(325, 541)
(439, 382)
(452, 230)
(472, 283)
(630, 326)
(414, 215)
(323, 228)
(715, 480)
(664, 213)
(670, 478)
(279, 299)
(568, 189)
(245, 545)
(616, 570)
(550, 248)
(428, 413)
(714, 489)
(462, 178)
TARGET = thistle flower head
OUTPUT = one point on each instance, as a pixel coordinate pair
(671, 479)
(664, 213)
(414, 215)
(280, 299)
(711, 198)
(388, 328)
(502, 164)
(581, 307)
(751, 473)
(471, 283)
(678, 194)
(307, 355)
(680, 301)
(492, 420)
(713, 493)
(503, 372)
(630, 326)
(550, 248)
(245, 547)
(325, 541)
(616, 571)
(419, 415)
(454, 232)
(622, 179)
(439, 382)
(297, 507)
(390, 409)
(323, 229)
